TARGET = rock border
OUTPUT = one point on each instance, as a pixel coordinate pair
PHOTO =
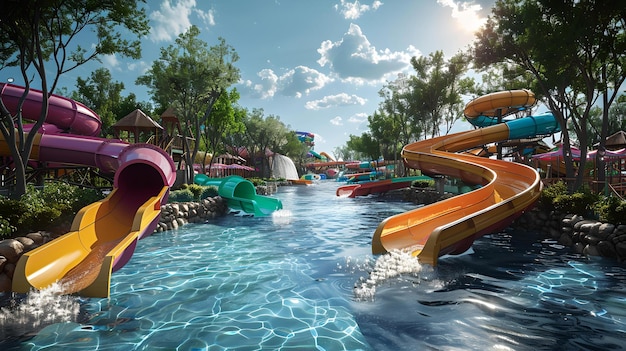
(586, 236)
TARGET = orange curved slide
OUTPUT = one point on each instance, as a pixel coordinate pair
(451, 226)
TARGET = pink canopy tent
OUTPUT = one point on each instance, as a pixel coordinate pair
(608, 154)
(557, 155)
(222, 170)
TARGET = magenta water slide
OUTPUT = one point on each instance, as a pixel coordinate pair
(104, 235)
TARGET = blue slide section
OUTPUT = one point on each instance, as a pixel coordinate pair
(532, 126)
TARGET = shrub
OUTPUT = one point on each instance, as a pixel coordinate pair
(423, 183)
(550, 193)
(43, 207)
(12, 210)
(580, 203)
(257, 181)
(183, 195)
(556, 197)
(196, 190)
(6, 229)
(611, 210)
(208, 191)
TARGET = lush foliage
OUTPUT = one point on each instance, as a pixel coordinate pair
(104, 96)
(41, 209)
(607, 209)
(257, 181)
(43, 39)
(191, 77)
(611, 210)
(575, 52)
(192, 192)
(423, 183)
(267, 133)
(181, 195)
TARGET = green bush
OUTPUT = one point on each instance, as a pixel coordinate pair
(12, 211)
(550, 193)
(196, 190)
(257, 181)
(580, 203)
(611, 210)
(182, 195)
(556, 197)
(208, 191)
(423, 183)
(6, 229)
(41, 208)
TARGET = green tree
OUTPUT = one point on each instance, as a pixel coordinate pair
(191, 76)
(385, 129)
(436, 91)
(226, 118)
(100, 93)
(574, 49)
(344, 153)
(392, 124)
(40, 37)
(265, 135)
(365, 145)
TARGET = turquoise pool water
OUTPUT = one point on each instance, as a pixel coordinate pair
(304, 279)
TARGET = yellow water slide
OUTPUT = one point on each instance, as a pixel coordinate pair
(104, 234)
(507, 189)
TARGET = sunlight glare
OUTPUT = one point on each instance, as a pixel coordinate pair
(466, 14)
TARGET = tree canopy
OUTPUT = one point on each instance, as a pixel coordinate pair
(190, 76)
(40, 37)
(104, 96)
(575, 51)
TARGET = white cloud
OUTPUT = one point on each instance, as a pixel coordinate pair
(267, 87)
(138, 66)
(355, 59)
(337, 121)
(296, 82)
(111, 62)
(466, 13)
(358, 118)
(342, 99)
(207, 17)
(302, 80)
(354, 10)
(171, 19)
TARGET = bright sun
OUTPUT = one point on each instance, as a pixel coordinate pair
(470, 21)
(466, 14)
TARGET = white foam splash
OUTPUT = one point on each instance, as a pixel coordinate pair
(389, 265)
(281, 217)
(37, 310)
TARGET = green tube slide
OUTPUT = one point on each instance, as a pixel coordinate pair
(240, 194)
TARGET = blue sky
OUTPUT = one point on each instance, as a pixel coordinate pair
(316, 64)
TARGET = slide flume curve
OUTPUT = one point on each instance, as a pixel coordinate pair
(507, 189)
(104, 234)
(240, 194)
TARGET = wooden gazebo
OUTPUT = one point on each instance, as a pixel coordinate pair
(616, 141)
(135, 123)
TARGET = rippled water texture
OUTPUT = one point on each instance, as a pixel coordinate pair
(304, 279)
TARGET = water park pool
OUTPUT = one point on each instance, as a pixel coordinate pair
(300, 280)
